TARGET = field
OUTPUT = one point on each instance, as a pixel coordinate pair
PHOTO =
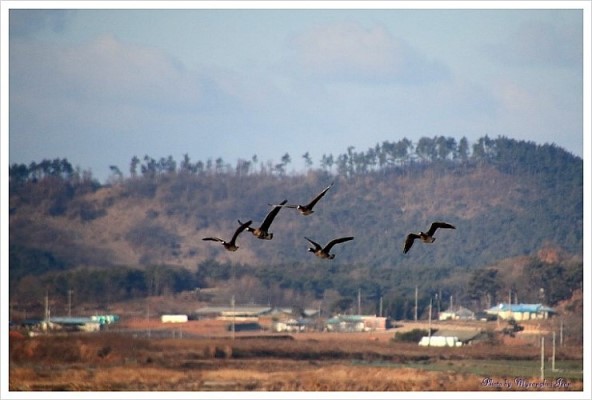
(202, 356)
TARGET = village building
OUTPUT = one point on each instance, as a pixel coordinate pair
(237, 313)
(355, 323)
(277, 319)
(174, 318)
(457, 313)
(452, 338)
(292, 325)
(521, 312)
(93, 323)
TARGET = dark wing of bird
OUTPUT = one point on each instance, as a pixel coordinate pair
(314, 201)
(336, 241)
(283, 205)
(315, 244)
(269, 218)
(436, 225)
(243, 223)
(241, 228)
(409, 241)
(214, 239)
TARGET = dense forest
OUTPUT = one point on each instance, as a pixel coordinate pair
(517, 207)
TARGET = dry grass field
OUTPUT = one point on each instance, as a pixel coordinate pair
(201, 356)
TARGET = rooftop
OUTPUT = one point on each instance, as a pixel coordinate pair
(531, 308)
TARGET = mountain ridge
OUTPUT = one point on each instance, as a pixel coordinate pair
(502, 206)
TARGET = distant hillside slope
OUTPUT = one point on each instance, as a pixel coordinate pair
(506, 199)
(500, 208)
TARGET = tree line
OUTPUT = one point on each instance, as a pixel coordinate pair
(509, 153)
(56, 184)
(539, 282)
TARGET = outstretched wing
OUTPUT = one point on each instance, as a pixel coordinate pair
(241, 228)
(214, 239)
(409, 241)
(336, 241)
(436, 225)
(314, 201)
(315, 244)
(283, 205)
(269, 218)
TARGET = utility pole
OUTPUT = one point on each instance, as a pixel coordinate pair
(380, 307)
(415, 317)
(553, 354)
(439, 300)
(46, 321)
(46, 305)
(70, 291)
(359, 301)
(232, 302)
(148, 318)
(233, 315)
(430, 324)
(542, 358)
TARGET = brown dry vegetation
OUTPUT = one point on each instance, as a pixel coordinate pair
(303, 362)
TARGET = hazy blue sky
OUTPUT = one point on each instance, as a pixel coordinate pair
(100, 86)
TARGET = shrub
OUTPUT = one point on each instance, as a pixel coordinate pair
(414, 335)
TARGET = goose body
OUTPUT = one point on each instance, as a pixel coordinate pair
(231, 245)
(307, 209)
(425, 237)
(323, 252)
(262, 232)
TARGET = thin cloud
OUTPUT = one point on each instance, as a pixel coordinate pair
(528, 113)
(105, 69)
(28, 22)
(538, 43)
(104, 88)
(350, 52)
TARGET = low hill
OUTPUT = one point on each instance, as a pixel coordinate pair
(507, 199)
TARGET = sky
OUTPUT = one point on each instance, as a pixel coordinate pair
(100, 86)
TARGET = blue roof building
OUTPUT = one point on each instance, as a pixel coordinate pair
(521, 312)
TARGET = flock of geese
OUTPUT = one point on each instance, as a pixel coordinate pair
(324, 252)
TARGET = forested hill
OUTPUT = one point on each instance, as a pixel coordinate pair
(508, 199)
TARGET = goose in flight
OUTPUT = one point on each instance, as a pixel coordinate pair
(306, 209)
(426, 237)
(262, 231)
(230, 246)
(323, 252)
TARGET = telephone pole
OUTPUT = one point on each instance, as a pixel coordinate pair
(553, 356)
(46, 305)
(70, 291)
(542, 358)
(415, 316)
(148, 318)
(430, 324)
(233, 315)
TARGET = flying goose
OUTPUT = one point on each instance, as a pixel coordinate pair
(425, 237)
(306, 209)
(230, 246)
(261, 232)
(323, 252)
